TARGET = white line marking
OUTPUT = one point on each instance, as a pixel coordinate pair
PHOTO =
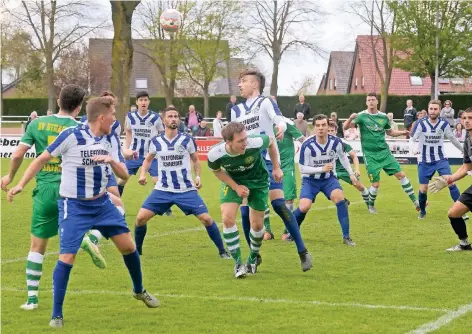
(444, 320)
(255, 299)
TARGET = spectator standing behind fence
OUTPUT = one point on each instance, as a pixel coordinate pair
(203, 130)
(231, 104)
(352, 133)
(301, 124)
(419, 115)
(335, 120)
(49, 112)
(448, 113)
(459, 132)
(32, 117)
(302, 107)
(193, 119)
(409, 115)
(218, 125)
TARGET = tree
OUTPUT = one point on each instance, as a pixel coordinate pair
(122, 53)
(305, 86)
(73, 67)
(278, 27)
(162, 48)
(207, 50)
(383, 21)
(15, 52)
(416, 37)
(54, 28)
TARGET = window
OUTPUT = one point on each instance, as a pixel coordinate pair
(355, 84)
(458, 81)
(330, 84)
(141, 84)
(416, 81)
(362, 81)
(334, 83)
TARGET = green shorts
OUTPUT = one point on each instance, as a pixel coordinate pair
(45, 219)
(344, 176)
(257, 199)
(290, 184)
(388, 163)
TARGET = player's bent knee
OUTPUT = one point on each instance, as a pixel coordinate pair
(143, 217)
(206, 219)
(337, 196)
(67, 258)
(121, 182)
(38, 245)
(400, 175)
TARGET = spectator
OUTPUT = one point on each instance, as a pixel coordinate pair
(459, 117)
(409, 115)
(351, 133)
(49, 112)
(302, 107)
(193, 119)
(203, 130)
(301, 124)
(448, 113)
(218, 125)
(339, 124)
(459, 132)
(231, 104)
(32, 117)
(133, 108)
(419, 115)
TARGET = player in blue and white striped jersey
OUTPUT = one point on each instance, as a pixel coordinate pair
(141, 126)
(261, 115)
(174, 150)
(430, 133)
(89, 155)
(318, 167)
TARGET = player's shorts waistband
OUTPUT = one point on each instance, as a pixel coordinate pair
(431, 163)
(91, 202)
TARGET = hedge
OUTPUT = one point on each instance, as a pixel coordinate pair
(344, 105)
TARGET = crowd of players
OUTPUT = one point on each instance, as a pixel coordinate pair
(81, 172)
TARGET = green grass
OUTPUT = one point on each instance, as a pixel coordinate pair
(399, 261)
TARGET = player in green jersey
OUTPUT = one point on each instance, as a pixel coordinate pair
(44, 223)
(341, 172)
(373, 125)
(238, 163)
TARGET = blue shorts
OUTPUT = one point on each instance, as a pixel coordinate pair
(77, 216)
(311, 187)
(273, 184)
(134, 165)
(112, 181)
(426, 170)
(189, 202)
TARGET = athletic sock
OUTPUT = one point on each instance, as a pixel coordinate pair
(246, 222)
(299, 216)
(133, 263)
(121, 188)
(256, 243)
(267, 221)
(291, 206)
(408, 188)
(34, 270)
(373, 195)
(422, 199)
(94, 236)
(290, 221)
(343, 217)
(60, 278)
(231, 236)
(455, 193)
(365, 196)
(139, 234)
(458, 225)
(215, 236)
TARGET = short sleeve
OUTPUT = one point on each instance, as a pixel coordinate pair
(293, 131)
(346, 147)
(305, 153)
(358, 119)
(265, 141)
(387, 124)
(466, 151)
(28, 136)
(159, 125)
(153, 146)
(192, 146)
(62, 143)
(127, 123)
(213, 164)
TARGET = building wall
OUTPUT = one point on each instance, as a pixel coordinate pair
(357, 74)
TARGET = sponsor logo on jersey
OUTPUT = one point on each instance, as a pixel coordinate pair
(180, 149)
(249, 160)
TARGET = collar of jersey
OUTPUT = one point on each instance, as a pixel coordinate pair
(63, 116)
(145, 116)
(322, 149)
(433, 127)
(166, 140)
(86, 128)
(252, 104)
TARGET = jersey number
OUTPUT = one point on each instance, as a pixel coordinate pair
(225, 190)
(53, 160)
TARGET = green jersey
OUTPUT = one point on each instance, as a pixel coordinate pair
(41, 132)
(248, 169)
(286, 147)
(339, 167)
(372, 129)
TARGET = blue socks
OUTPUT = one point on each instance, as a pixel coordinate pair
(343, 217)
(139, 234)
(60, 278)
(422, 199)
(215, 236)
(455, 193)
(120, 189)
(299, 216)
(246, 223)
(133, 263)
(290, 222)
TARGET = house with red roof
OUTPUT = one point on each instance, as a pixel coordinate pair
(355, 73)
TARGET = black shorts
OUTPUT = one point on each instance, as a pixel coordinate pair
(466, 198)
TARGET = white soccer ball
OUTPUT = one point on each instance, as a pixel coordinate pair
(171, 20)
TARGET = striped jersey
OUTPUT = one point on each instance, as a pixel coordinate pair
(430, 137)
(314, 154)
(143, 129)
(115, 127)
(173, 162)
(259, 115)
(81, 176)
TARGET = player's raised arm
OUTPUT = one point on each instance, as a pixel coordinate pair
(115, 159)
(348, 122)
(273, 112)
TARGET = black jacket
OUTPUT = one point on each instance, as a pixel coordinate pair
(409, 116)
(303, 108)
(228, 111)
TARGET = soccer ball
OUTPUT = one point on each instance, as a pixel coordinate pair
(170, 20)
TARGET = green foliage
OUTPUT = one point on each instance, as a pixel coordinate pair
(344, 105)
